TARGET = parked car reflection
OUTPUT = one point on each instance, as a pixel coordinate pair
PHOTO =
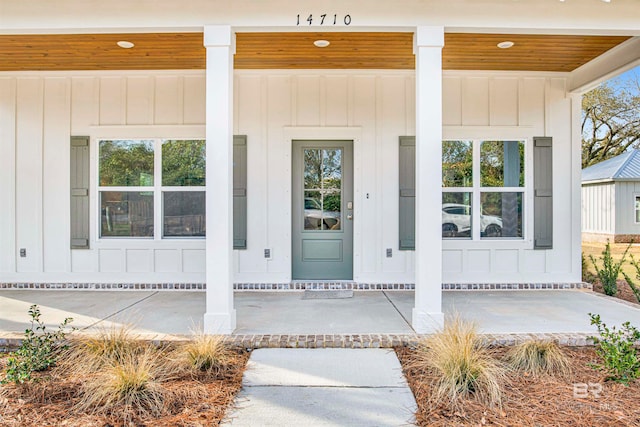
(456, 222)
(315, 219)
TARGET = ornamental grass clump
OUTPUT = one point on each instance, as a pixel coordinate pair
(129, 385)
(538, 357)
(90, 353)
(462, 365)
(205, 353)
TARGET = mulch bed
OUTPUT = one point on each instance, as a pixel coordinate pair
(529, 401)
(624, 291)
(51, 403)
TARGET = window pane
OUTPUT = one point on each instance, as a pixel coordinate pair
(183, 163)
(312, 168)
(331, 208)
(637, 209)
(126, 163)
(126, 214)
(322, 189)
(456, 215)
(457, 164)
(332, 169)
(312, 210)
(502, 164)
(501, 215)
(184, 214)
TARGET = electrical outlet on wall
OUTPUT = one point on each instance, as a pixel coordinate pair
(389, 252)
(267, 253)
(23, 252)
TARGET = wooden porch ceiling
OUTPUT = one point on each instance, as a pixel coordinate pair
(352, 50)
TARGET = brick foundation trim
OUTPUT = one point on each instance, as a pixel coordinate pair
(13, 341)
(293, 286)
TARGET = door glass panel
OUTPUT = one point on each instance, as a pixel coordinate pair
(331, 203)
(312, 168)
(322, 189)
(312, 210)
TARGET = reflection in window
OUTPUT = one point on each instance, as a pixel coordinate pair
(456, 215)
(183, 214)
(129, 183)
(492, 174)
(322, 189)
(502, 164)
(183, 163)
(457, 164)
(126, 214)
(126, 163)
(501, 214)
(637, 208)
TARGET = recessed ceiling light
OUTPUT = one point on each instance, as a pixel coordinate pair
(125, 44)
(321, 43)
(505, 44)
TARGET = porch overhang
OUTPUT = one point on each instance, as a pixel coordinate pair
(357, 49)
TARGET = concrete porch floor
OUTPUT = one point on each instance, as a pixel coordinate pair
(154, 313)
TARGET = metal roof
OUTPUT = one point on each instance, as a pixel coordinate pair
(623, 167)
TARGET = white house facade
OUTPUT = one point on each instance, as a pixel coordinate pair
(611, 199)
(302, 169)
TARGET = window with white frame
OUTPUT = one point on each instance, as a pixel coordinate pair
(483, 189)
(637, 209)
(145, 182)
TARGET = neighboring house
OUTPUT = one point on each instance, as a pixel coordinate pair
(335, 132)
(611, 199)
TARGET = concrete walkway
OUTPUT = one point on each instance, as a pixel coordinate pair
(369, 312)
(323, 387)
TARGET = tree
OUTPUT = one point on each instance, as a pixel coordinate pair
(610, 120)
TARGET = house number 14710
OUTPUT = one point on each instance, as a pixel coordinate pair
(324, 19)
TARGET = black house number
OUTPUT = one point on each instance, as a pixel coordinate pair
(324, 19)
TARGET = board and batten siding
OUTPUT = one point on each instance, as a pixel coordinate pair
(599, 209)
(625, 196)
(39, 112)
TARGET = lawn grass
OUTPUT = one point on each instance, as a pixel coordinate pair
(617, 249)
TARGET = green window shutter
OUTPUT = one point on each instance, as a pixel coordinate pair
(79, 192)
(239, 192)
(407, 193)
(543, 193)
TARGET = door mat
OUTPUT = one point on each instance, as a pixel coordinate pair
(332, 294)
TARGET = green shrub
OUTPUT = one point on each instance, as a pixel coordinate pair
(39, 349)
(617, 350)
(587, 276)
(630, 282)
(539, 357)
(608, 274)
(463, 366)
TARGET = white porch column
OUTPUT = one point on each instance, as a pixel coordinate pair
(220, 317)
(427, 313)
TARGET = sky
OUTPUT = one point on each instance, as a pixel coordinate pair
(632, 74)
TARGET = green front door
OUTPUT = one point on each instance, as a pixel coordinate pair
(322, 210)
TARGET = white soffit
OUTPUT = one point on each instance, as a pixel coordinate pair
(611, 63)
(576, 16)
